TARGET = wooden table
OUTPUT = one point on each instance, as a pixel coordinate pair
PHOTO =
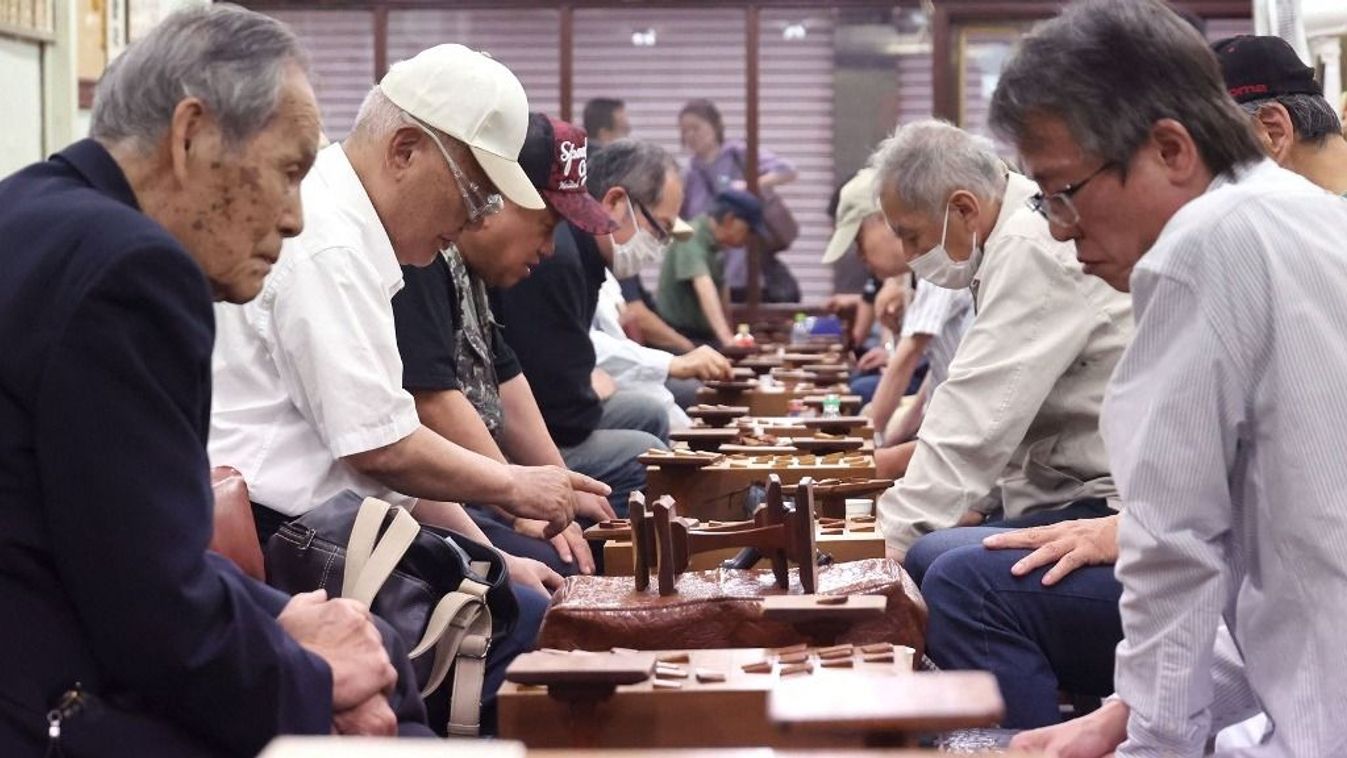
(716, 492)
(848, 546)
(734, 713)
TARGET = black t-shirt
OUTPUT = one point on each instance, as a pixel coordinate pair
(633, 290)
(547, 318)
(427, 318)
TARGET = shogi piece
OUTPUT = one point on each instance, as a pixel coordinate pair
(724, 608)
(784, 534)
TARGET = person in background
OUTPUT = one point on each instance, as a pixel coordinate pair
(120, 632)
(605, 120)
(714, 166)
(547, 318)
(467, 383)
(692, 295)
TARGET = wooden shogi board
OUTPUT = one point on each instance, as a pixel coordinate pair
(730, 713)
(786, 426)
(851, 545)
(716, 492)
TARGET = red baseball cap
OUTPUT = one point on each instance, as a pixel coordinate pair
(556, 158)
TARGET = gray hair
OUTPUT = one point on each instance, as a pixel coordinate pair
(1109, 69)
(377, 118)
(230, 58)
(1311, 116)
(639, 167)
(926, 161)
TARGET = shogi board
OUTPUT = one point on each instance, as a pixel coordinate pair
(732, 713)
(845, 547)
(716, 492)
(764, 402)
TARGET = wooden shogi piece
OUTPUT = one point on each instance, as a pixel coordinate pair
(715, 492)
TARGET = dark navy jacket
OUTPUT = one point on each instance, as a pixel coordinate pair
(106, 331)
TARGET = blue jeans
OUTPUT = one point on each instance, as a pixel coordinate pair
(1036, 640)
(631, 424)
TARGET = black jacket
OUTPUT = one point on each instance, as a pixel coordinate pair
(106, 331)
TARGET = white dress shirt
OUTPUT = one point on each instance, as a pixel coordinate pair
(632, 366)
(309, 371)
(1224, 425)
(945, 315)
(1016, 423)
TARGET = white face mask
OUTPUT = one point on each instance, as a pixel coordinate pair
(936, 267)
(631, 256)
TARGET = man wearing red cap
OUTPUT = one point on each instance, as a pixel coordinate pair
(467, 381)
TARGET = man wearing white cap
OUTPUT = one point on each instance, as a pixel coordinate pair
(933, 324)
(309, 400)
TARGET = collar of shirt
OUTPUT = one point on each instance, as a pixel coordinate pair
(335, 182)
(100, 169)
(1015, 199)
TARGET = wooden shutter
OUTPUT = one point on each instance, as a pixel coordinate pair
(340, 44)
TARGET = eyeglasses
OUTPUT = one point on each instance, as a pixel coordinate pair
(479, 203)
(662, 234)
(1057, 208)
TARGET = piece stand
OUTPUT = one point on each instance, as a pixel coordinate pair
(664, 542)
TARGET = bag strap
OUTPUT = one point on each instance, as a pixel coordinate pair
(460, 632)
(368, 565)
(459, 628)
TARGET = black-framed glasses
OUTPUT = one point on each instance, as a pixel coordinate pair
(479, 204)
(1058, 208)
(662, 234)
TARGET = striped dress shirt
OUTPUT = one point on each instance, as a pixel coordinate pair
(1224, 423)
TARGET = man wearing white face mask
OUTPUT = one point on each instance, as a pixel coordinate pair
(1012, 434)
(599, 429)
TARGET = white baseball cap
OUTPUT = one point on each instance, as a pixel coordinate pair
(475, 99)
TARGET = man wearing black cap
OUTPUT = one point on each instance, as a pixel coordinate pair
(466, 380)
(1297, 126)
(692, 294)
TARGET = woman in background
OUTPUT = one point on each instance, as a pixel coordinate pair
(715, 166)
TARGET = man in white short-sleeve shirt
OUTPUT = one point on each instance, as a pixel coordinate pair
(309, 399)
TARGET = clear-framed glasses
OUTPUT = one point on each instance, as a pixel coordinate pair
(1057, 208)
(479, 203)
(662, 235)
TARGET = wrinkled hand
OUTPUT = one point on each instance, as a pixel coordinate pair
(372, 718)
(1092, 736)
(890, 302)
(875, 358)
(570, 544)
(530, 573)
(549, 493)
(341, 633)
(702, 362)
(1069, 544)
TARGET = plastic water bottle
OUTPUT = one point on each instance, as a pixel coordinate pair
(832, 405)
(743, 337)
(799, 331)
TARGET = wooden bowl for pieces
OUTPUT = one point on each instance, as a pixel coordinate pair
(717, 415)
(730, 385)
(703, 438)
(835, 425)
(735, 352)
(824, 446)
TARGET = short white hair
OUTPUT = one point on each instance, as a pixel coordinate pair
(377, 118)
(926, 161)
